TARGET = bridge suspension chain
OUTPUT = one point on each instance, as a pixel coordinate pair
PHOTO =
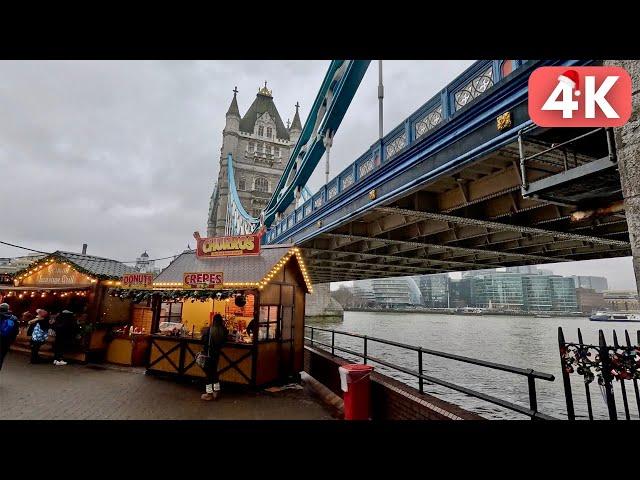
(238, 221)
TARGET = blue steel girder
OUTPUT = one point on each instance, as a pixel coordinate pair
(461, 137)
(336, 92)
(238, 221)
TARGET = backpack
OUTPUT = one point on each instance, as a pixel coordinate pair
(8, 326)
(39, 335)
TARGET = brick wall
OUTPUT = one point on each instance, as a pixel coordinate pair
(390, 399)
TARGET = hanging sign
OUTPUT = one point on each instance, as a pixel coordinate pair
(6, 279)
(238, 245)
(137, 280)
(56, 275)
(203, 280)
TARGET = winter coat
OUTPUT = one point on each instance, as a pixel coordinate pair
(214, 338)
(65, 324)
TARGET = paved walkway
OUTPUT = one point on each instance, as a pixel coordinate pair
(85, 392)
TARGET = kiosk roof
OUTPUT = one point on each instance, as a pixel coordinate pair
(245, 268)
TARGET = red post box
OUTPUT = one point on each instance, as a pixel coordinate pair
(356, 385)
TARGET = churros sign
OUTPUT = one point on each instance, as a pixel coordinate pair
(202, 280)
(209, 247)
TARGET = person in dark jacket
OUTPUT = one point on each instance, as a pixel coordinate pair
(214, 338)
(11, 334)
(25, 318)
(42, 321)
(65, 328)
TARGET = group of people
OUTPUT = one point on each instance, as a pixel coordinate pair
(37, 328)
(64, 324)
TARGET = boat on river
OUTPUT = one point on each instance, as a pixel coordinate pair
(615, 317)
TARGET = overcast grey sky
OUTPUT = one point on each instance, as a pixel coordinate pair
(122, 155)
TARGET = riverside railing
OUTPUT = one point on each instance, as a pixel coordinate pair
(531, 375)
(605, 364)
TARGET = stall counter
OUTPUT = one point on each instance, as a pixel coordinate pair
(176, 356)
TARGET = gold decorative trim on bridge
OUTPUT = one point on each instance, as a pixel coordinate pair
(504, 121)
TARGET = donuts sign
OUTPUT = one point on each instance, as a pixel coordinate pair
(137, 280)
(202, 280)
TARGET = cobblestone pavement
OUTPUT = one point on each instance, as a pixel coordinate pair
(83, 392)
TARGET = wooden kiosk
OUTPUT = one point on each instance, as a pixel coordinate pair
(271, 283)
(75, 282)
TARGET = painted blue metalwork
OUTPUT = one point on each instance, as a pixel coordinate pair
(454, 123)
(242, 222)
(331, 103)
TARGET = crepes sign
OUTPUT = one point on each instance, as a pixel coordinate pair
(202, 280)
(237, 245)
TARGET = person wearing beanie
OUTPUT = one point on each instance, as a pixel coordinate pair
(9, 328)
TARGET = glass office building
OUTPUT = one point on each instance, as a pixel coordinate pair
(537, 293)
(389, 292)
(563, 294)
(434, 289)
(501, 291)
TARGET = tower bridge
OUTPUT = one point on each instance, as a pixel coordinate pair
(466, 182)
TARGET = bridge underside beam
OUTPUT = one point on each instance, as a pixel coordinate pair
(472, 217)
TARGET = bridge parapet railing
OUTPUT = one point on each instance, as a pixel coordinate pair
(439, 110)
(318, 337)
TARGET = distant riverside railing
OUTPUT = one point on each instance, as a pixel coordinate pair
(467, 87)
(532, 412)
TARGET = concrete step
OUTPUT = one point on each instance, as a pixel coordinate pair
(46, 352)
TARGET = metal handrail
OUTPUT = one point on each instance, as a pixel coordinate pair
(531, 374)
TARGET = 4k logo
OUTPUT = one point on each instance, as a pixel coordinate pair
(580, 96)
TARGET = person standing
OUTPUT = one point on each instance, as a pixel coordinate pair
(39, 332)
(214, 338)
(8, 330)
(64, 326)
(25, 318)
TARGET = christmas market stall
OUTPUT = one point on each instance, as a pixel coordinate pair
(75, 282)
(260, 292)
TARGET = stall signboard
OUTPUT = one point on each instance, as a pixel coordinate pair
(137, 280)
(238, 245)
(56, 275)
(6, 279)
(204, 280)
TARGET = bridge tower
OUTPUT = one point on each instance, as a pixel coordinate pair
(260, 145)
(627, 140)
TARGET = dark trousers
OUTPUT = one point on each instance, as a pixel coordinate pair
(212, 368)
(4, 349)
(60, 346)
(35, 348)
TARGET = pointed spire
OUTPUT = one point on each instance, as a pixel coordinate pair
(296, 124)
(233, 108)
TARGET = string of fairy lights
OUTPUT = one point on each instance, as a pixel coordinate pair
(21, 294)
(171, 290)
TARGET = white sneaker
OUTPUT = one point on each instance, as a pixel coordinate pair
(61, 362)
(55, 362)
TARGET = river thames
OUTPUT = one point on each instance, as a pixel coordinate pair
(526, 342)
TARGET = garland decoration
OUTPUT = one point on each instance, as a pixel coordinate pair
(138, 296)
(55, 257)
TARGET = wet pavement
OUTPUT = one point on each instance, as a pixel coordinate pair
(86, 392)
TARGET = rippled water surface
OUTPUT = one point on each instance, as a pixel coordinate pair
(526, 342)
